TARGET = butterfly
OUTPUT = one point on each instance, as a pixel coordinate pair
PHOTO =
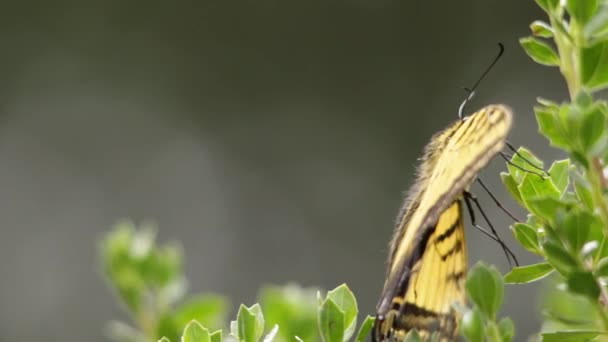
(427, 261)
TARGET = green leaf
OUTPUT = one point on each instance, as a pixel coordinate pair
(601, 269)
(331, 322)
(194, 332)
(293, 308)
(527, 237)
(548, 5)
(541, 29)
(365, 328)
(506, 329)
(535, 191)
(597, 28)
(547, 208)
(485, 288)
(211, 310)
(511, 186)
(164, 339)
(344, 298)
(550, 127)
(584, 283)
(216, 336)
(583, 190)
(272, 334)
(473, 325)
(594, 66)
(559, 172)
(581, 227)
(594, 122)
(528, 274)
(539, 51)
(581, 11)
(520, 164)
(583, 99)
(250, 323)
(570, 336)
(557, 256)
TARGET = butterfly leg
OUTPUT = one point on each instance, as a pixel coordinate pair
(507, 158)
(468, 197)
(524, 159)
(496, 201)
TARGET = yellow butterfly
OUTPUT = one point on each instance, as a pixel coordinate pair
(427, 261)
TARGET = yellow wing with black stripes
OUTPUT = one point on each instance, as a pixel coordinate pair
(427, 259)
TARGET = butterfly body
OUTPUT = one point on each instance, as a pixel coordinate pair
(427, 258)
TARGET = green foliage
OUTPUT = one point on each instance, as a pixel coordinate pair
(566, 227)
(293, 309)
(148, 280)
(485, 288)
(568, 221)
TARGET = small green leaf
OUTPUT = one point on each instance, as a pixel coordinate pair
(510, 184)
(506, 329)
(541, 29)
(293, 308)
(548, 5)
(211, 310)
(194, 332)
(583, 99)
(164, 339)
(581, 11)
(601, 268)
(533, 186)
(581, 227)
(250, 323)
(551, 127)
(345, 300)
(570, 336)
(559, 171)
(527, 237)
(272, 334)
(594, 122)
(557, 256)
(216, 336)
(583, 283)
(597, 28)
(583, 190)
(594, 66)
(528, 274)
(365, 328)
(473, 326)
(547, 208)
(539, 51)
(331, 322)
(485, 287)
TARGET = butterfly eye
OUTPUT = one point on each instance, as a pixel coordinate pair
(495, 116)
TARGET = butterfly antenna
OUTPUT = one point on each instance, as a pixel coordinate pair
(524, 158)
(472, 90)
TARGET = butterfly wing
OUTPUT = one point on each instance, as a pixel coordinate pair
(436, 281)
(451, 162)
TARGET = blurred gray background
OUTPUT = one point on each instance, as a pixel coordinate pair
(273, 138)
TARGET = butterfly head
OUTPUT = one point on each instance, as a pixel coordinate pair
(498, 113)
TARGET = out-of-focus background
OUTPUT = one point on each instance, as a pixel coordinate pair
(274, 139)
